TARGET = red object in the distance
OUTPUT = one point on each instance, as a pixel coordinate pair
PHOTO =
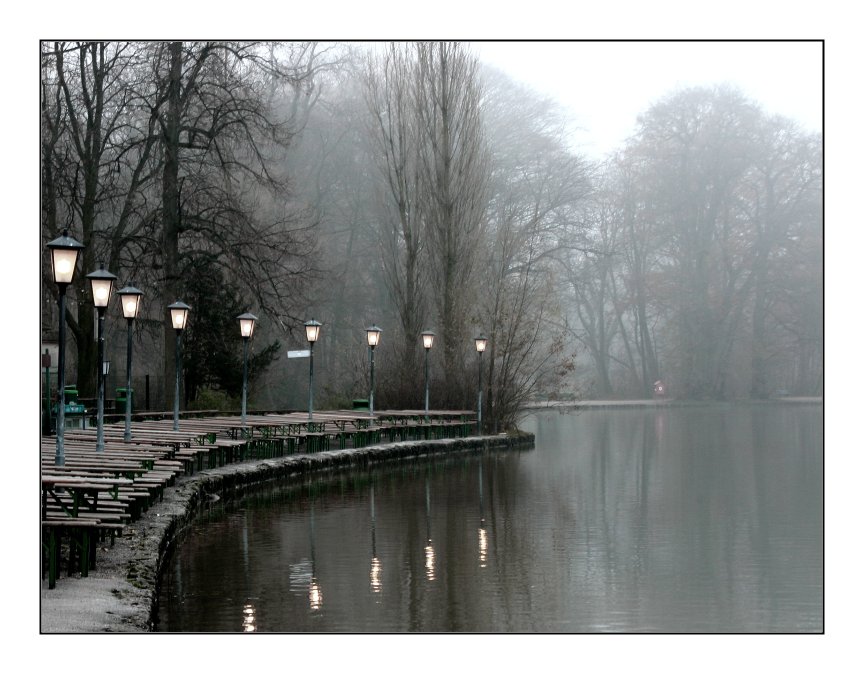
(46, 359)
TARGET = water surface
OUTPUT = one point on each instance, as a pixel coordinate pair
(692, 519)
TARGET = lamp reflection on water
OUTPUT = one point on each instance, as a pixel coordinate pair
(483, 541)
(375, 575)
(429, 550)
(248, 618)
(430, 560)
(375, 570)
(301, 575)
(315, 596)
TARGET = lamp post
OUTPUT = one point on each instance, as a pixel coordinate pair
(480, 345)
(247, 327)
(101, 284)
(428, 340)
(313, 329)
(64, 258)
(130, 301)
(373, 336)
(179, 316)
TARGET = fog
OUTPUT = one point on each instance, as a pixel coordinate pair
(414, 186)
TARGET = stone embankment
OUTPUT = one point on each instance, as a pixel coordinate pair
(120, 595)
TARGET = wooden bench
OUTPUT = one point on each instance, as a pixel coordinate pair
(82, 548)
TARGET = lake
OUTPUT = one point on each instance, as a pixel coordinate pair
(700, 518)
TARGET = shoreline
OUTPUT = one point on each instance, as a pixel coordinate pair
(663, 402)
(121, 594)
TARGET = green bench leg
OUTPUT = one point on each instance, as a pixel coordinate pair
(53, 550)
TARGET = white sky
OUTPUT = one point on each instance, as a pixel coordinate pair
(605, 85)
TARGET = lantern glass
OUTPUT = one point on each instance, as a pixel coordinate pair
(428, 339)
(63, 261)
(101, 285)
(64, 257)
(101, 291)
(313, 329)
(480, 344)
(247, 324)
(373, 336)
(130, 301)
(179, 315)
(178, 318)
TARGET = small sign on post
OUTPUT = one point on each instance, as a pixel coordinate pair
(51, 353)
(299, 354)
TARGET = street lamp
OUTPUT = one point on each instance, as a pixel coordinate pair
(101, 284)
(373, 336)
(313, 329)
(179, 316)
(480, 345)
(428, 339)
(130, 301)
(64, 258)
(247, 327)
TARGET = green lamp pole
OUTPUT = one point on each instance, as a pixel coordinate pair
(101, 284)
(313, 329)
(130, 301)
(428, 340)
(64, 259)
(247, 327)
(179, 316)
(480, 345)
(373, 336)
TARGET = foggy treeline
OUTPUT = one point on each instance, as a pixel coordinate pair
(410, 186)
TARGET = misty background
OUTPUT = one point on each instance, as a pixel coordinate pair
(414, 186)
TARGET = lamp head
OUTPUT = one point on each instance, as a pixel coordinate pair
(313, 329)
(247, 324)
(101, 284)
(64, 257)
(179, 315)
(373, 336)
(428, 339)
(130, 300)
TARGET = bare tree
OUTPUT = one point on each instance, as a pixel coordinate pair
(219, 137)
(391, 81)
(97, 159)
(537, 188)
(454, 192)
(700, 143)
(781, 197)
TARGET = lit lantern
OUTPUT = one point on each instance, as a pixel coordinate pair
(247, 324)
(179, 315)
(64, 258)
(373, 336)
(130, 301)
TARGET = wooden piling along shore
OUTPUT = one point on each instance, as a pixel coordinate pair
(116, 514)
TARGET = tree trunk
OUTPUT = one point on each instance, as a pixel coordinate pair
(172, 287)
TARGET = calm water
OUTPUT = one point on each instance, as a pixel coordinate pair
(697, 519)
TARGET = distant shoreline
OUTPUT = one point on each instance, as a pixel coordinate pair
(663, 402)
